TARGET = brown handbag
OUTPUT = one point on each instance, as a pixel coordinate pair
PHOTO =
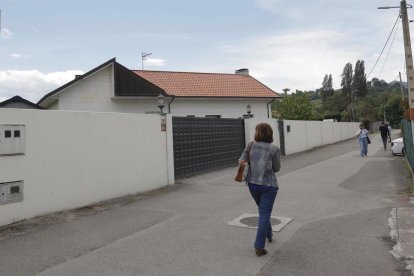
(243, 168)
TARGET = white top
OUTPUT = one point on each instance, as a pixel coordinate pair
(362, 133)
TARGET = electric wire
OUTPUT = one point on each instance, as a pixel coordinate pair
(389, 50)
(398, 18)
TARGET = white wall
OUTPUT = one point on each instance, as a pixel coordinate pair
(74, 159)
(250, 128)
(227, 108)
(305, 135)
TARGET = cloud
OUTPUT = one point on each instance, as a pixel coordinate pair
(270, 5)
(32, 84)
(155, 62)
(15, 55)
(6, 33)
(298, 59)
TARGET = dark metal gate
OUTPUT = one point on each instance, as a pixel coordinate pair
(206, 144)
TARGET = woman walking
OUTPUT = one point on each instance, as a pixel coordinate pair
(362, 135)
(261, 179)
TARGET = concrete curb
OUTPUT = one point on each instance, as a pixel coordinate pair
(402, 232)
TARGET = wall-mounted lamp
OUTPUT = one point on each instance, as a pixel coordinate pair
(161, 103)
(249, 111)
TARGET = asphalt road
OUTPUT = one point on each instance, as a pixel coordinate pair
(340, 203)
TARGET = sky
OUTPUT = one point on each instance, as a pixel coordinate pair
(284, 44)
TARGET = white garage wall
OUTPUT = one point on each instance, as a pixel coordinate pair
(74, 159)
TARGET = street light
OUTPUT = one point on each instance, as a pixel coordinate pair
(161, 103)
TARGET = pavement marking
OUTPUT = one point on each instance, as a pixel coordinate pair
(250, 221)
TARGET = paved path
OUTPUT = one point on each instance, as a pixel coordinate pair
(340, 203)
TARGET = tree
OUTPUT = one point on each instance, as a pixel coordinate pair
(327, 89)
(334, 106)
(295, 106)
(346, 84)
(393, 110)
(378, 85)
(359, 81)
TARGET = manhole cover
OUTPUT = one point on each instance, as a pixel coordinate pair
(253, 221)
(250, 221)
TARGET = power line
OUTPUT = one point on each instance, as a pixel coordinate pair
(389, 50)
(398, 18)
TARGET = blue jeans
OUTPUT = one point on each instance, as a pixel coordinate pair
(384, 141)
(264, 196)
(363, 146)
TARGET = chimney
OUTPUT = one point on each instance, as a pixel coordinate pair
(77, 77)
(243, 71)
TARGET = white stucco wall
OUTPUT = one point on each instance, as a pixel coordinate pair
(295, 139)
(336, 132)
(250, 128)
(74, 159)
(305, 135)
(327, 133)
(313, 134)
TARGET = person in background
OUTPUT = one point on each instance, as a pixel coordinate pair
(362, 135)
(385, 134)
(262, 181)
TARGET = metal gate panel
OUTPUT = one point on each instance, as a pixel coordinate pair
(206, 144)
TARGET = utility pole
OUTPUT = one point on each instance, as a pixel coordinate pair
(402, 88)
(408, 58)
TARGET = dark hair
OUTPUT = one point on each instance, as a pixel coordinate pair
(264, 133)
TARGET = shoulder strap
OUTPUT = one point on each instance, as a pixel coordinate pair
(248, 151)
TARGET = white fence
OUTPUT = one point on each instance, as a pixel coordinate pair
(304, 135)
(73, 159)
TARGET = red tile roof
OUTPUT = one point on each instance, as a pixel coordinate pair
(187, 84)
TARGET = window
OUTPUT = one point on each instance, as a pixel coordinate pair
(17, 133)
(7, 133)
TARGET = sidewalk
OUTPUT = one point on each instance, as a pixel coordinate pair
(339, 201)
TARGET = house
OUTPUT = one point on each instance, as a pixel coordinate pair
(112, 87)
(19, 102)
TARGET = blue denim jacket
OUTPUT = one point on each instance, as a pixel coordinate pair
(264, 162)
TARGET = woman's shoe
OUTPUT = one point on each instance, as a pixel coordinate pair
(260, 252)
(270, 239)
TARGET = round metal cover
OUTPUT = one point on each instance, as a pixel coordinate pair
(252, 221)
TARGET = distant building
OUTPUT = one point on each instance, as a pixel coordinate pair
(19, 102)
